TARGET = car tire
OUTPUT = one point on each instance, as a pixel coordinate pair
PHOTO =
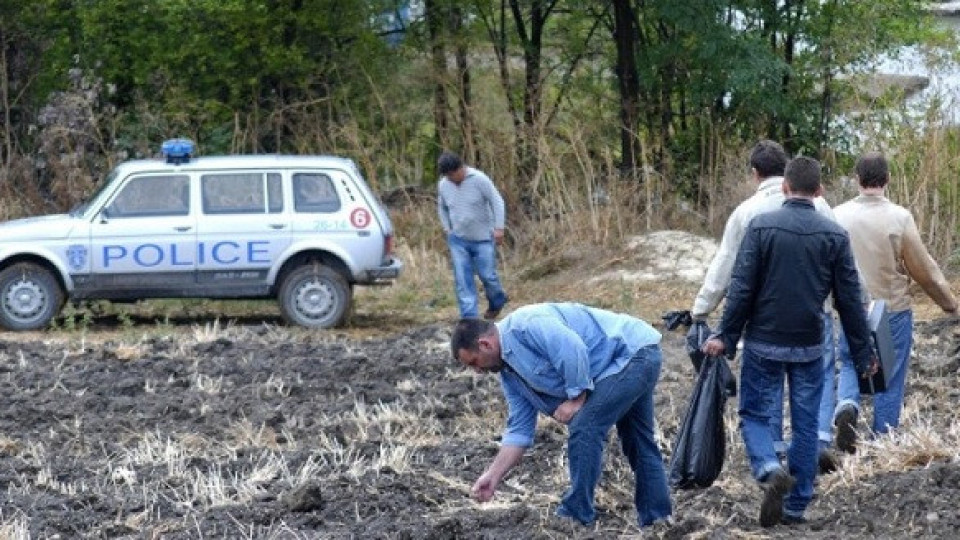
(315, 296)
(30, 297)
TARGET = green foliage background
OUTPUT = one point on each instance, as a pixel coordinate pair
(526, 89)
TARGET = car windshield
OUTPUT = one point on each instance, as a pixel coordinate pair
(81, 208)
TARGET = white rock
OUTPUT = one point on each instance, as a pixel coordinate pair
(664, 256)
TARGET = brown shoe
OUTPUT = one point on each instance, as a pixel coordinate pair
(775, 486)
(491, 314)
(793, 520)
(827, 462)
(846, 422)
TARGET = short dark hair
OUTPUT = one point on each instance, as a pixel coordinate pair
(872, 170)
(768, 158)
(449, 162)
(466, 334)
(803, 175)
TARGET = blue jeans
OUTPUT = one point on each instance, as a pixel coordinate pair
(625, 400)
(761, 384)
(886, 404)
(480, 257)
(829, 396)
(825, 415)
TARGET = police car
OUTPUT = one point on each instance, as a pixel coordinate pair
(303, 229)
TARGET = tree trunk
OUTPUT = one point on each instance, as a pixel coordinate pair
(528, 137)
(788, 52)
(628, 79)
(7, 131)
(467, 125)
(439, 62)
(826, 98)
(498, 36)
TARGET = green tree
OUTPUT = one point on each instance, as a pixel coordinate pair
(676, 80)
(213, 59)
(553, 38)
(694, 73)
(34, 60)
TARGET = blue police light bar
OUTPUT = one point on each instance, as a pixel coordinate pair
(177, 151)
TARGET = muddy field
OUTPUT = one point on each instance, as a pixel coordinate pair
(259, 431)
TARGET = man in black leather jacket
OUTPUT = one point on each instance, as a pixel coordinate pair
(790, 260)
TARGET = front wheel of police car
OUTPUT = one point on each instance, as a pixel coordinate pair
(30, 297)
(315, 296)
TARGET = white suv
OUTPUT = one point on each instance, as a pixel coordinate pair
(303, 229)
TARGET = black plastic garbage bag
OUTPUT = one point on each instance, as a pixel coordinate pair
(673, 319)
(700, 446)
(698, 333)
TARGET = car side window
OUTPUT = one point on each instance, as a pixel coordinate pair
(233, 193)
(314, 193)
(145, 196)
(275, 193)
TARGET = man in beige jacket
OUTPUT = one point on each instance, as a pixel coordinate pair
(890, 253)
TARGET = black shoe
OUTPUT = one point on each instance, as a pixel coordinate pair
(776, 484)
(827, 462)
(846, 422)
(793, 520)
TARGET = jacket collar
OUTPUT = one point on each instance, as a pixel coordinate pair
(770, 183)
(506, 339)
(871, 197)
(799, 202)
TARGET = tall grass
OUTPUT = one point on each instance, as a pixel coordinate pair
(924, 177)
(922, 149)
(577, 194)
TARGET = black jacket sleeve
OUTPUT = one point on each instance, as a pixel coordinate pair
(744, 284)
(847, 301)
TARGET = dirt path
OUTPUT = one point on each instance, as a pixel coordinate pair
(259, 431)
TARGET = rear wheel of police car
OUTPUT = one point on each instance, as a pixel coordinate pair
(30, 297)
(315, 296)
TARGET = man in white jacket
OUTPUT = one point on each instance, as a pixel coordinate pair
(767, 163)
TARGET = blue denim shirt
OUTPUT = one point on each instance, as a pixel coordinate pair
(553, 352)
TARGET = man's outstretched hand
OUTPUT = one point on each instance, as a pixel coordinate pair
(484, 488)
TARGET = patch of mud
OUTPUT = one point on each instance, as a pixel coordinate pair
(262, 433)
(941, 340)
(663, 256)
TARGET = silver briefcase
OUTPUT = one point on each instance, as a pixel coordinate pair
(878, 318)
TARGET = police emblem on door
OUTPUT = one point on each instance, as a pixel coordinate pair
(77, 257)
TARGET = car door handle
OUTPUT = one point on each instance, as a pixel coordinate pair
(183, 228)
(277, 225)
